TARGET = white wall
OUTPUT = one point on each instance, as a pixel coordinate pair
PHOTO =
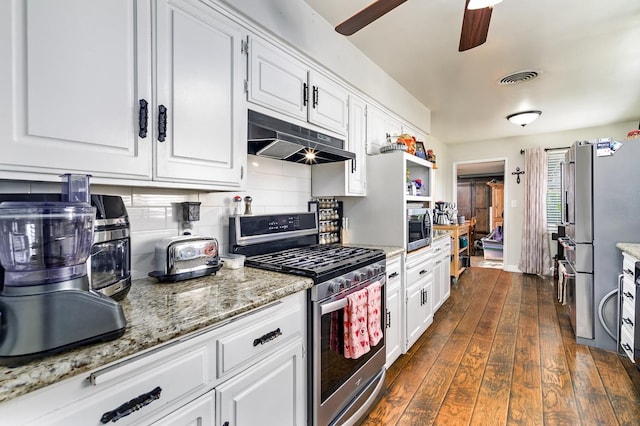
(509, 148)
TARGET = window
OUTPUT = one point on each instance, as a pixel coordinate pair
(554, 189)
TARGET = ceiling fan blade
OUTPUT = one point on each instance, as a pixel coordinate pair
(475, 27)
(367, 16)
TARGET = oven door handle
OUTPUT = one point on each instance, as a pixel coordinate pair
(327, 308)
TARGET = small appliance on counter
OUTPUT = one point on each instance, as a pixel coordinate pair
(110, 270)
(184, 257)
(46, 305)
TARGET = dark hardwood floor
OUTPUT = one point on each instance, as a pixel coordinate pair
(501, 351)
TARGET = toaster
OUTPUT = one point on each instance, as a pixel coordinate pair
(184, 257)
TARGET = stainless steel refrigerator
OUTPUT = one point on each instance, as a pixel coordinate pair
(601, 181)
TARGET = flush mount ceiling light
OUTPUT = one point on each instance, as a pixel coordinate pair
(481, 4)
(523, 118)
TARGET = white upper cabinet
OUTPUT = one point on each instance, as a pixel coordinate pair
(70, 85)
(282, 83)
(77, 93)
(200, 84)
(347, 178)
(329, 103)
(379, 126)
(277, 80)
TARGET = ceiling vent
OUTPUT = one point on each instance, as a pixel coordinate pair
(518, 77)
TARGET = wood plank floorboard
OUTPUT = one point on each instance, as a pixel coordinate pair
(501, 351)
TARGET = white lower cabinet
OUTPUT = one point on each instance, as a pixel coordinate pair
(419, 295)
(267, 393)
(200, 412)
(394, 320)
(441, 271)
(183, 383)
(628, 304)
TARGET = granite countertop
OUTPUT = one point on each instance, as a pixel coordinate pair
(157, 313)
(438, 234)
(632, 248)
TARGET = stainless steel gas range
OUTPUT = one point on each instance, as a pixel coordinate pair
(342, 386)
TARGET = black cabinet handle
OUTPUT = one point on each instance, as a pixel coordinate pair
(627, 321)
(225, 424)
(129, 407)
(315, 96)
(424, 271)
(305, 94)
(388, 320)
(626, 346)
(628, 294)
(267, 337)
(143, 118)
(395, 274)
(628, 271)
(162, 123)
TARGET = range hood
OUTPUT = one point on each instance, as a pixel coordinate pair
(273, 138)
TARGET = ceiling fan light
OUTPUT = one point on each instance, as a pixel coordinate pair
(523, 118)
(481, 4)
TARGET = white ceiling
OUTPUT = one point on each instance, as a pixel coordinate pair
(588, 53)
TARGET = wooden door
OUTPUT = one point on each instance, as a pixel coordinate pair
(474, 200)
(497, 203)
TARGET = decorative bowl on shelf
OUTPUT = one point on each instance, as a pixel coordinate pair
(392, 147)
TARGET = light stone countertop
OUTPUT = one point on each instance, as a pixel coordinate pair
(441, 233)
(156, 313)
(632, 248)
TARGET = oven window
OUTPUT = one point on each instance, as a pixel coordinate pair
(335, 369)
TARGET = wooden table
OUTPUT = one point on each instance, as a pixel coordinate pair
(457, 231)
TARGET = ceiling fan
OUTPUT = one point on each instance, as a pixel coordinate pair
(475, 23)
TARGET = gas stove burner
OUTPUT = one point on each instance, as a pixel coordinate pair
(320, 262)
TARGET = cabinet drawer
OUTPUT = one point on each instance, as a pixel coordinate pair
(628, 318)
(256, 336)
(394, 271)
(419, 271)
(628, 265)
(628, 291)
(163, 385)
(626, 342)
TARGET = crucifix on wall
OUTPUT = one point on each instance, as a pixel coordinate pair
(518, 172)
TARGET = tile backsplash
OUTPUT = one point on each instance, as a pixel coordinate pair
(274, 185)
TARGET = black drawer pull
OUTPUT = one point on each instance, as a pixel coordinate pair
(267, 337)
(628, 271)
(162, 123)
(143, 118)
(628, 294)
(314, 102)
(627, 321)
(395, 274)
(129, 407)
(626, 346)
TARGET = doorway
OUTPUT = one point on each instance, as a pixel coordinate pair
(480, 194)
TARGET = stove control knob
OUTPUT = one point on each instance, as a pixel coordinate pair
(334, 287)
(347, 283)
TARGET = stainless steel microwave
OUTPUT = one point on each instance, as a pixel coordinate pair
(418, 228)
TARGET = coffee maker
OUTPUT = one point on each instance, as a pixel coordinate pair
(46, 304)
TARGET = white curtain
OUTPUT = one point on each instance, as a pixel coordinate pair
(534, 256)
